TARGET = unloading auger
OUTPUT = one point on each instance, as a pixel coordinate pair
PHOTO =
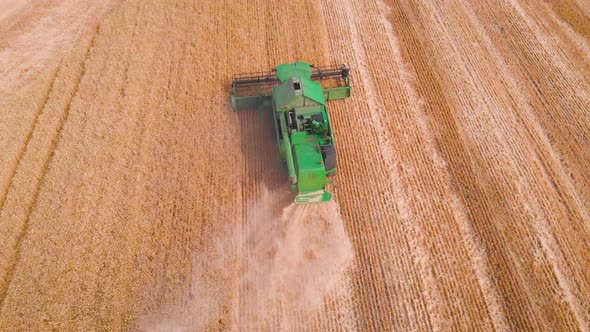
(297, 94)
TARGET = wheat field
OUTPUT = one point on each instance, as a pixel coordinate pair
(133, 198)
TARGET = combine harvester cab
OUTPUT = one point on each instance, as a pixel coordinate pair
(294, 93)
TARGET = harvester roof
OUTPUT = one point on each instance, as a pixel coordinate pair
(297, 89)
(298, 69)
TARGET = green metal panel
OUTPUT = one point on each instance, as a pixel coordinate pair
(286, 71)
(308, 110)
(287, 97)
(310, 168)
(286, 142)
(313, 90)
(250, 102)
(337, 93)
(299, 138)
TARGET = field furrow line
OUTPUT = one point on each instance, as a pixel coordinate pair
(536, 133)
(573, 295)
(354, 177)
(466, 96)
(399, 295)
(510, 139)
(549, 49)
(535, 130)
(136, 119)
(478, 253)
(414, 103)
(420, 161)
(7, 278)
(577, 85)
(179, 117)
(388, 155)
(572, 88)
(572, 38)
(579, 217)
(29, 136)
(472, 241)
(556, 134)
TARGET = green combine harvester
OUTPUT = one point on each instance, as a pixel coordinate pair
(297, 94)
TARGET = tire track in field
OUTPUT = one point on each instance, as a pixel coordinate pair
(577, 43)
(397, 293)
(433, 28)
(472, 240)
(415, 238)
(495, 97)
(569, 200)
(545, 153)
(439, 167)
(418, 155)
(572, 13)
(22, 150)
(438, 106)
(120, 102)
(142, 121)
(7, 278)
(563, 99)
